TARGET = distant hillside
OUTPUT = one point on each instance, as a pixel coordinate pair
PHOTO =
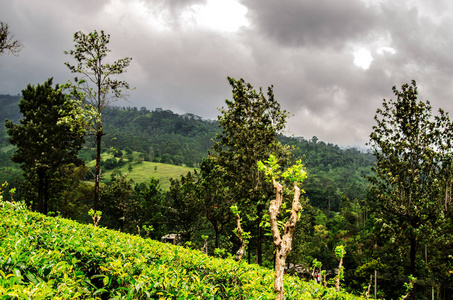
(139, 170)
(9, 110)
(161, 136)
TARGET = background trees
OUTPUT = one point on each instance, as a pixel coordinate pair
(413, 167)
(249, 127)
(90, 53)
(48, 138)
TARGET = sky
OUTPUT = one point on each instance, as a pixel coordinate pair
(331, 62)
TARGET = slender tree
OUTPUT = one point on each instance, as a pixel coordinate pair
(412, 182)
(7, 41)
(48, 137)
(97, 83)
(249, 127)
(242, 236)
(294, 175)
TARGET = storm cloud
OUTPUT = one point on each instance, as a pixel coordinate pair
(331, 62)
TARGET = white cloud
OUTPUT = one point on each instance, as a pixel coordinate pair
(225, 15)
(362, 58)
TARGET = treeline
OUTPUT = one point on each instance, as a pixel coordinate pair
(161, 135)
(164, 136)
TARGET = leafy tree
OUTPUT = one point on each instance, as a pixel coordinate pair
(340, 253)
(152, 207)
(185, 205)
(7, 42)
(413, 167)
(117, 205)
(249, 127)
(216, 198)
(90, 53)
(48, 137)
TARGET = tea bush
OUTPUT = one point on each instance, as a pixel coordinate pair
(54, 258)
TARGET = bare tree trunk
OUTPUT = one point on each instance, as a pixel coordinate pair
(40, 191)
(375, 284)
(217, 237)
(367, 294)
(259, 241)
(337, 280)
(240, 253)
(413, 247)
(97, 174)
(282, 245)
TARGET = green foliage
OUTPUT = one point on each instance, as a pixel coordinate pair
(249, 124)
(185, 140)
(413, 182)
(340, 252)
(294, 174)
(185, 203)
(48, 138)
(90, 52)
(44, 257)
(409, 286)
(95, 215)
(161, 135)
(98, 85)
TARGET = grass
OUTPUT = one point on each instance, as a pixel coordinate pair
(144, 170)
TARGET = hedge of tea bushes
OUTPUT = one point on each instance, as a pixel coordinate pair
(54, 258)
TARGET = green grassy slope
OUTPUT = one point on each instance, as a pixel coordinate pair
(53, 258)
(144, 170)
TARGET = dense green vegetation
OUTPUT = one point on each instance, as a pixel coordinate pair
(51, 257)
(143, 149)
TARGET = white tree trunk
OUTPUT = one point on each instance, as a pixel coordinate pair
(240, 253)
(282, 245)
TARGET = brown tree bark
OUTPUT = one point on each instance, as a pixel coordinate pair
(97, 175)
(282, 244)
(240, 253)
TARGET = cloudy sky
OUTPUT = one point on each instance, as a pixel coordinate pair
(331, 62)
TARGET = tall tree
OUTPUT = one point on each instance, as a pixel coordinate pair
(249, 127)
(412, 182)
(7, 41)
(48, 137)
(98, 85)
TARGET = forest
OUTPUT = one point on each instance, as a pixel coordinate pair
(339, 207)
(376, 224)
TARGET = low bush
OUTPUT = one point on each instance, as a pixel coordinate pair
(54, 258)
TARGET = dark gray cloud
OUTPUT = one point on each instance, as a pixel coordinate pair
(322, 23)
(306, 49)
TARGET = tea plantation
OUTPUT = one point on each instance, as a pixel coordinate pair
(45, 257)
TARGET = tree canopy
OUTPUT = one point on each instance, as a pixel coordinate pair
(249, 126)
(90, 53)
(413, 169)
(49, 136)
